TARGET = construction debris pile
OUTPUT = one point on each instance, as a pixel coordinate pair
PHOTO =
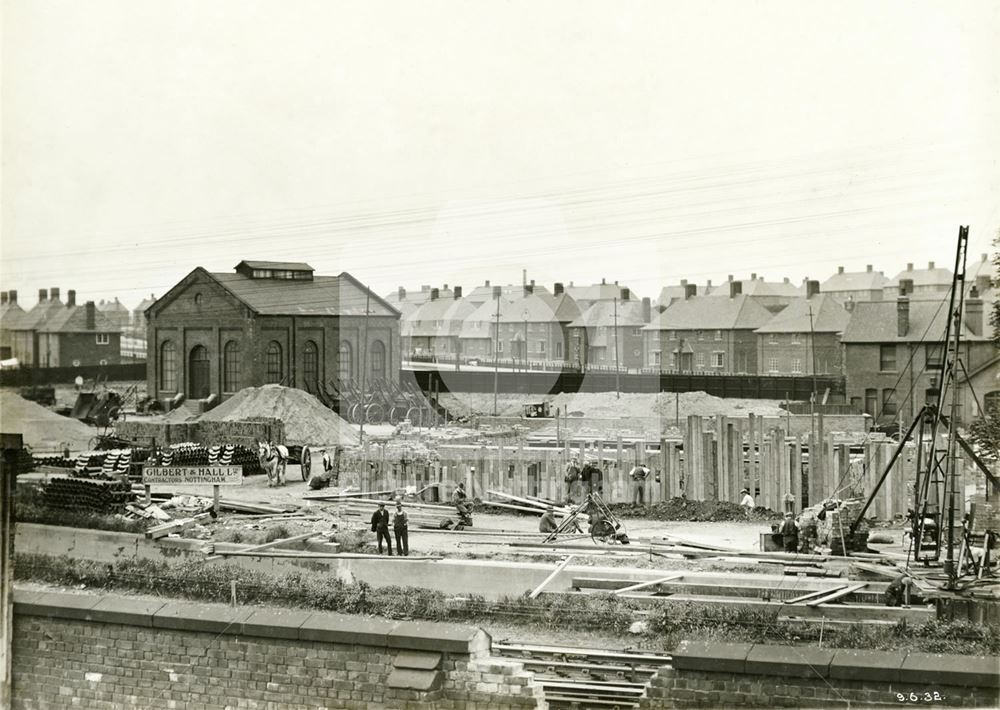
(306, 421)
(105, 497)
(684, 510)
(42, 429)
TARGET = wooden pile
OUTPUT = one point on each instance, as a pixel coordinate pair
(531, 504)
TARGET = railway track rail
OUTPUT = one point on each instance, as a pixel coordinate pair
(587, 677)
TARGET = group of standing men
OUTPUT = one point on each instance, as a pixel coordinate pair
(400, 528)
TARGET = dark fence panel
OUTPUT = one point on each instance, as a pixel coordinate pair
(26, 376)
(744, 386)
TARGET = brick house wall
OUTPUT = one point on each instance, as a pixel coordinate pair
(786, 348)
(737, 347)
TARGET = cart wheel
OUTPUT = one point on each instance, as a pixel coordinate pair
(374, 414)
(395, 415)
(603, 532)
(355, 415)
(306, 465)
(413, 416)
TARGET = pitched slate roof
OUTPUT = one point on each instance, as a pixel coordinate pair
(417, 298)
(341, 295)
(760, 288)
(73, 319)
(12, 315)
(423, 321)
(923, 277)
(602, 314)
(855, 281)
(828, 316)
(484, 317)
(481, 294)
(564, 307)
(876, 322)
(39, 315)
(112, 307)
(277, 265)
(981, 267)
(596, 292)
(712, 313)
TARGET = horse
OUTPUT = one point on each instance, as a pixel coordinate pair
(274, 460)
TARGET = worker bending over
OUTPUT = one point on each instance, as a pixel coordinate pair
(548, 522)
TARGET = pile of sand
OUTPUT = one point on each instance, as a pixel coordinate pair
(307, 421)
(42, 429)
(606, 405)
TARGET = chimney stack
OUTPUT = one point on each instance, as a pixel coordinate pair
(401, 293)
(647, 310)
(458, 292)
(905, 287)
(868, 268)
(54, 293)
(43, 295)
(930, 265)
(973, 315)
(496, 292)
(684, 282)
(445, 287)
(729, 278)
(840, 269)
(625, 294)
(753, 277)
(557, 289)
(735, 289)
(487, 282)
(902, 316)
(603, 282)
(434, 294)
(12, 297)
(3, 298)
(70, 298)
(812, 288)
(909, 266)
(708, 286)
(91, 316)
(527, 290)
(690, 290)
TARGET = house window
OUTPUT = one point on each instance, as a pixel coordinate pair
(672, 334)
(275, 364)
(345, 364)
(772, 364)
(718, 360)
(541, 347)
(499, 346)
(796, 338)
(310, 364)
(888, 401)
(559, 350)
(700, 360)
(168, 367)
(378, 361)
(231, 367)
(103, 339)
(656, 357)
(871, 397)
(796, 366)
(701, 335)
(887, 358)
(935, 360)
(718, 335)
(772, 338)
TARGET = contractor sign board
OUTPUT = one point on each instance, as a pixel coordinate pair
(189, 475)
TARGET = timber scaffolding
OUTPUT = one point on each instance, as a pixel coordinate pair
(715, 460)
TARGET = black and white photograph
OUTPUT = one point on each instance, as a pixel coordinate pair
(499, 354)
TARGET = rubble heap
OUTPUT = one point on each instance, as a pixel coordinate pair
(42, 429)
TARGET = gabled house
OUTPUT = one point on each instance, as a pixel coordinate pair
(268, 322)
(586, 296)
(481, 294)
(857, 286)
(773, 295)
(116, 313)
(706, 334)
(11, 314)
(893, 353)
(535, 327)
(919, 284)
(804, 338)
(610, 334)
(403, 300)
(981, 274)
(433, 329)
(477, 336)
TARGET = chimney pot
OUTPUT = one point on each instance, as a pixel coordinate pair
(401, 293)
(12, 297)
(71, 298)
(868, 268)
(91, 316)
(840, 269)
(458, 292)
(557, 288)
(43, 295)
(735, 289)
(902, 316)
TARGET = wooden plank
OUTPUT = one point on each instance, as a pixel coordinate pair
(810, 595)
(840, 593)
(651, 583)
(559, 568)
(159, 531)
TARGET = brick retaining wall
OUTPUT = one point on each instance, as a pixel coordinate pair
(109, 651)
(721, 675)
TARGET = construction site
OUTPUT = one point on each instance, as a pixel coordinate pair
(574, 550)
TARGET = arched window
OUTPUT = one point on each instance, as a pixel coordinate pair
(345, 364)
(378, 361)
(231, 367)
(310, 365)
(168, 366)
(275, 365)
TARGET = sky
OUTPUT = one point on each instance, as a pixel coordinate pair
(453, 142)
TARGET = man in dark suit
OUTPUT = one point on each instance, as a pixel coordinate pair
(380, 526)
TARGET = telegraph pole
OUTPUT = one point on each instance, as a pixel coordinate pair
(364, 365)
(618, 389)
(496, 350)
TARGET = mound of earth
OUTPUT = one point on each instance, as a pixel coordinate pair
(307, 421)
(695, 511)
(42, 429)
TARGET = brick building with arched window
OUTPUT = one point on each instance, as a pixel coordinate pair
(267, 322)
